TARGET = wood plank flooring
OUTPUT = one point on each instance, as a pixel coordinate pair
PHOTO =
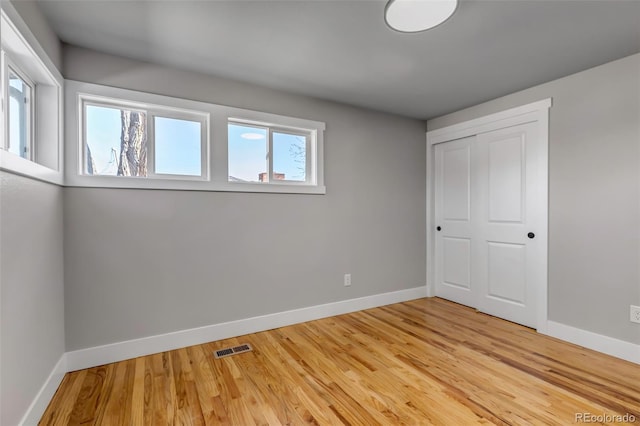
(428, 361)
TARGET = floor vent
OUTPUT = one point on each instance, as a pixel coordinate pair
(221, 353)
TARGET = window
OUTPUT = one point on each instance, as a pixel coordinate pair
(178, 149)
(290, 156)
(248, 147)
(104, 151)
(263, 153)
(130, 139)
(19, 114)
(31, 89)
(124, 139)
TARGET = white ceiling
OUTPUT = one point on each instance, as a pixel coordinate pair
(341, 49)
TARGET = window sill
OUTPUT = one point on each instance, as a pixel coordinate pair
(273, 188)
(119, 182)
(13, 164)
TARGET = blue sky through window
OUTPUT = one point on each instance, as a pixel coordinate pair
(103, 138)
(177, 142)
(289, 155)
(247, 151)
(178, 147)
(18, 115)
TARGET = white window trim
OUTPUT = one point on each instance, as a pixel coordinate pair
(217, 152)
(152, 111)
(205, 143)
(18, 42)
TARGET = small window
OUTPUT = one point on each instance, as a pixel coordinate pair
(19, 115)
(142, 141)
(268, 154)
(248, 147)
(31, 95)
(290, 156)
(116, 141)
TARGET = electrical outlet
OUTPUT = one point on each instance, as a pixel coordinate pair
(347, 280)
(635, 314)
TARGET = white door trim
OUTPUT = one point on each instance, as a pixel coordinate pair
(533, 112)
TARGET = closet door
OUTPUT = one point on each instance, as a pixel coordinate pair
(486, 212)
(455, 225)
(506, 251)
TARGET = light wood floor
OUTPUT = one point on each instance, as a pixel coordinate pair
(427, 361)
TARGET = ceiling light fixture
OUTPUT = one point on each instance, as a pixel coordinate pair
(412, 16)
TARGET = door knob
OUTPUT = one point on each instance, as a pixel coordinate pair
(531, 235)
(438, 228)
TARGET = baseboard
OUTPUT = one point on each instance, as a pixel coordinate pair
(91, 357)
(608, 345)
(41, 401)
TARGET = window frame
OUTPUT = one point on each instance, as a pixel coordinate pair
(309, 146)
(310, 136)
(12, 68)
(21, 53)
(217, 150)
(204, 145)
(151, 111)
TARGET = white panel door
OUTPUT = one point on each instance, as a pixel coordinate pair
(454, 239)
(504, 266)
(485, 212)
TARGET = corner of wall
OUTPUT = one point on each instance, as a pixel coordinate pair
(45, 394)
(33, 19)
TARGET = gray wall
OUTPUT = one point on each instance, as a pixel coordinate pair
(31, 289)
(594, 193)
(144, 262)
(31, 271)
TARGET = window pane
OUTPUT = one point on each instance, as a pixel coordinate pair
(116, 141)
(178, 147)
(289, 157)
(247, 154)
(19, 118)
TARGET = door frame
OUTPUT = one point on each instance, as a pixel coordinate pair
(537, 112)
